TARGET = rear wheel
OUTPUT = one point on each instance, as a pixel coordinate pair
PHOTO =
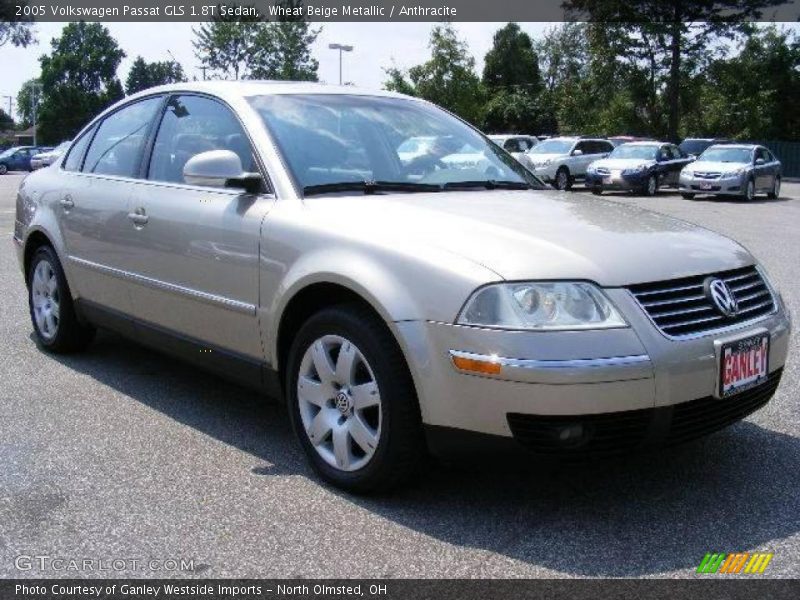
(776, 189)
(687, 196)
(563, 181)
(597, 191)
(52, 311)
(352, 401)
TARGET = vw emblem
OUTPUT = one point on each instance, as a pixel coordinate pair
(720, 294)
(342, 402)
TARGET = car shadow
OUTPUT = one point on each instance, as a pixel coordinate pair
(642, 515)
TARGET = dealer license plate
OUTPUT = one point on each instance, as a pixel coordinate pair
(705, 186)
(743, 364)
(612, 177)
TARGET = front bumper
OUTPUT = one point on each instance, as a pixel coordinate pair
(634, 181)
(546, 173)
(727, 186)
(558, 375)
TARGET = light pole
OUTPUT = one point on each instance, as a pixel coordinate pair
(34, 89)
(341, 48)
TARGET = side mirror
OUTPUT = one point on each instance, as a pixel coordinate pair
(220, 168)
(759, 161)
(577, 152)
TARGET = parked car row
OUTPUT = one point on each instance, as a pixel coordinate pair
(30, 158)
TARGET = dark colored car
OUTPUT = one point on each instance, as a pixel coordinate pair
(18, 158)
(696, 146)
(641, 167)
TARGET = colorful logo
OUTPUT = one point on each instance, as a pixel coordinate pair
(738, 562)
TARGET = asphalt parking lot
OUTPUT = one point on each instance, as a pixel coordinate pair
(123, 454)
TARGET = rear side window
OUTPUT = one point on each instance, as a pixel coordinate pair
(75, 156)
(117, 147)
(192, 125)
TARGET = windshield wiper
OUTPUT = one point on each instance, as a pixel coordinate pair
(489, 184)
(370, 187)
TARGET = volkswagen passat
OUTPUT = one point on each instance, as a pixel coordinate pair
(741, 170)
(271, 232)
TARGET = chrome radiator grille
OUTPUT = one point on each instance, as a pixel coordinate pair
(680, 307)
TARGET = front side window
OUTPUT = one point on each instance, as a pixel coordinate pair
(343, 140)
(192, 125)
(117, 147)
(75, 156)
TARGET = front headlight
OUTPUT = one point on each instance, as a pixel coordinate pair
(734, 173)
(541, 306)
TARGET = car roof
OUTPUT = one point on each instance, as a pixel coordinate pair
(252, 87)
(645, 143)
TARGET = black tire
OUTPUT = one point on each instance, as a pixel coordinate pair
(775, 193)
(749, 191)
(3, 169)
(597, 191)
(650, 187)
(687, 196)
(401, 442)
(563, 180)
(70, 334)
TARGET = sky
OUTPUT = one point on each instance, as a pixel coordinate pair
(376, 46)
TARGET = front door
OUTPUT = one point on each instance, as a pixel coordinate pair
(198, 250)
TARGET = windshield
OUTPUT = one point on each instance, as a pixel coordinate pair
(722, 154)
(552, 147)
(634, 151)
(331, 139)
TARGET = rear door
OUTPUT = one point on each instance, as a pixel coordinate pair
(197, 247)
(99, 175)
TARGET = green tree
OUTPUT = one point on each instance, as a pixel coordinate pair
(512, 81)
(6, 122)
(25, 98)
(13, 30)
(145, 75)
(225, 45)
(79, 79)
(752, 95)
(447, 79)
(282, 49)
(668, 38)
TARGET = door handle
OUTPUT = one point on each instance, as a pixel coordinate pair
(138, 217)
(67, 202)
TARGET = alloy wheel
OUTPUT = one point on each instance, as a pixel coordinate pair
(3, 169)
(562, 180)
(651, 186)
(776, 188)
(750, 191)
(46, 299)
(340, 403)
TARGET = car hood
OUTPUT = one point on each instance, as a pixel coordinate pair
(538, 234)
(716, 167)
(622, 163)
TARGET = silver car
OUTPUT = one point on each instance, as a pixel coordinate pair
(741, 170)
(45, 159)
(271, 233)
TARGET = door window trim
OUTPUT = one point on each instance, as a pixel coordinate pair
(268, 188)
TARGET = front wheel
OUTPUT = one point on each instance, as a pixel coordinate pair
(749, 190)
(563, 181)
(651, 187)
(52, 311)
(597, 191)
(3, 169)
(687, 196)
(352, 401)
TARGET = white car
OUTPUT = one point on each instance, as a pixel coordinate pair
(562, 161)
(516, 145)
(45, 159)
